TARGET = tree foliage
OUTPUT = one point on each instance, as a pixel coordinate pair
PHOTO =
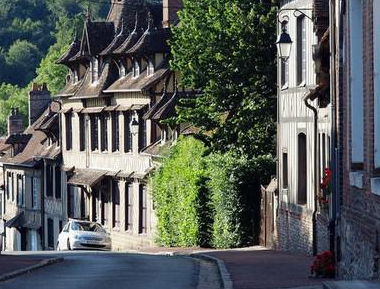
(225, 50)
(12, 96)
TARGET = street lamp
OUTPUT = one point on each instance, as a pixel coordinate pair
(134, 126)
(284, 44)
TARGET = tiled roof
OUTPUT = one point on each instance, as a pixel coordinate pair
(117, 41)
(70, 53)
(140, 83)
(129, 42)
(89, 89)
(37, 145)
(18, 138)
(96, 37)
(125, 11)
(86, 177)
(152, 41)
(70, 89)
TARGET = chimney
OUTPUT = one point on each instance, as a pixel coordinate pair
(39, 100)
(170, 9)
(15, 123)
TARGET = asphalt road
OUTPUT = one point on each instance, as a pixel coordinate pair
(112, 270)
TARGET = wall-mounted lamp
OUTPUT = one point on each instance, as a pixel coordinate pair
(134, 126)
(284, 42)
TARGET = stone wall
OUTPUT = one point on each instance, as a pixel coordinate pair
(295, 230)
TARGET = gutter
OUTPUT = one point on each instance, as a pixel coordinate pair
(307, 97)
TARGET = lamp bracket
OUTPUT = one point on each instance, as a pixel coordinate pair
(296, 13)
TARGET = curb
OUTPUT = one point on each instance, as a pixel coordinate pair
(223, 272)
(29, 269)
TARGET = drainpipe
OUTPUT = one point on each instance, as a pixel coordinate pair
(43, 206)
(334, 151)
(316, 183)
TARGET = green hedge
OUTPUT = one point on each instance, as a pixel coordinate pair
(179, 196)
(203, 200)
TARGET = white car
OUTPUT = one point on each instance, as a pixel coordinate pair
(83, 235)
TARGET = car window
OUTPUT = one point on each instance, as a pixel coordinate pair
(85, 226)
(66, 228)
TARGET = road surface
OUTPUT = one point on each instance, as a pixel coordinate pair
(96, 270)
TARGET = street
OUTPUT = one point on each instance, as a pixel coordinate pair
(113, 270)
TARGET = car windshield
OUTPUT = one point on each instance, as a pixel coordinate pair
(89, 227)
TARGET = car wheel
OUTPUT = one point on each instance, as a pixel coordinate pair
(68, 245)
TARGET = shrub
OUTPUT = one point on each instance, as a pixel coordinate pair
(180, 196)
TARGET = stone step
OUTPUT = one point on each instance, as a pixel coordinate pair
(352, 284)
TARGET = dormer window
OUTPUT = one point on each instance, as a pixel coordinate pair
(150, 67)
(122, 70)
(76, 76)
(94, 69)
(136, 68)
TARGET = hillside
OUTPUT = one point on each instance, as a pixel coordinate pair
(33, 33)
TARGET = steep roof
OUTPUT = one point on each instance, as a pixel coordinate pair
(72, 51)
(89, 89)
(124, 11)
(117, 42)
(140, 83)
(37, 145)
(70, 89)
(152, 41)
(96, 37)
(129, 42)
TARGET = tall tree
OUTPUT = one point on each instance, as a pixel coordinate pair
(225, 50)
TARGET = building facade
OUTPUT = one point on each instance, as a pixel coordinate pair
(301, 208)
(32, 191)
(118, 91)
(358, 128)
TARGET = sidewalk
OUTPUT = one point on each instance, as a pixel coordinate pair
(13, 265)
(257, 267)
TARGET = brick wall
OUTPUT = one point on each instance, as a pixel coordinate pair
(295, 230)
(360, 208)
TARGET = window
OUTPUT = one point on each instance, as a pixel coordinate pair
(142, 210)
(50, 233)
(356, 81)
(128, 207)
(82, 132)
(57, 174)
(71, 201)
(122, 70)
(150, 67)
(302, 169)
(104, 210)
(136, 68)
(69, 128)
(115, 204)
(20, 190)
(95, 69)
(9, 185)
(49, 181)
(94, 133)
(13, 187)
(115, 131)
(284, 63)
(301, 50)
(104, 133)
(35, 188)
(285, 180)
(127, 133)
(142, 132)
(376, 81)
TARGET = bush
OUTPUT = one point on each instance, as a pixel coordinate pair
(232, 191)
(180, 197)
(213, 199)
